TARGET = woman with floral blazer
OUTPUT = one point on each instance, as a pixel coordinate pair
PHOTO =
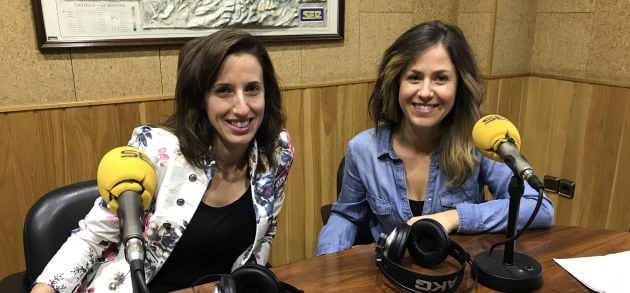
(224, 145)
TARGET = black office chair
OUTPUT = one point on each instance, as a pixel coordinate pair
(363, 233)
(47, 226)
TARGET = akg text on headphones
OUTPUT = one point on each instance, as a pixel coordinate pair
(429, 245)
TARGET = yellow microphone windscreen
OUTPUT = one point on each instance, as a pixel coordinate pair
(126, 169)
(492, 130)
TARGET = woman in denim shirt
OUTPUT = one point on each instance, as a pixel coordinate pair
(419, 161)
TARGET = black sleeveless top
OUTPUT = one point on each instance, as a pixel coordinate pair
(416, 207)
(212, 241)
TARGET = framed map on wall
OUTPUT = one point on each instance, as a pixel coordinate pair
(106, 23)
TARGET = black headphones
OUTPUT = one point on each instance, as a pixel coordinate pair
(251, 278)
(429, 245)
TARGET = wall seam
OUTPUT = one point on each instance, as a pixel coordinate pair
(74, 82)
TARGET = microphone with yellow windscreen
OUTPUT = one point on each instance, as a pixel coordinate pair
(127, 181)
(498, 139)
(125, 169)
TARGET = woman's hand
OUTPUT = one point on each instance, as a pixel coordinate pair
(449, 220)
(42, 288)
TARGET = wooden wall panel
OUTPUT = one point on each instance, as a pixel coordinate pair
(50, 129)
(45, 149)
(569, 129)
(602, 141)
(575, 131)
(618, 215)
(573, 148)
(321, 121)
(288, 245)
(13, 207)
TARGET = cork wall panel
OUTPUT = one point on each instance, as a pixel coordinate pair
(477, 6)
(610, 48)
(561, 44)
(110, 73)
(566, 6)
(427, 10)
(287, 61)
(610, 6)
(385, 5)
(377, 32)
(513, 37)
(168, 69)
(26, 76)
(478, 29)
(29, 78)
(334, 61)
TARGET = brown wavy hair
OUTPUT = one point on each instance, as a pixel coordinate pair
(455, 146)
(197, 71)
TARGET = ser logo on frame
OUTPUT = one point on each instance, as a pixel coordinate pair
(311, 14)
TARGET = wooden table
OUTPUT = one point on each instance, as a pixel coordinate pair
(354, 270)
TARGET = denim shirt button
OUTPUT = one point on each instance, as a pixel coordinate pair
(180, 201)
(192, 178)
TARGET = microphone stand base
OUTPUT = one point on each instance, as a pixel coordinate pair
(523, 275)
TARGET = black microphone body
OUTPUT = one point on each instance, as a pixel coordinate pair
(131, 219)
(519, 165)
(130, 215)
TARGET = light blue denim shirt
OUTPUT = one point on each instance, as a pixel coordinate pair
(374, 187)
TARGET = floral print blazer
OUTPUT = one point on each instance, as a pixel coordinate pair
(91, 260)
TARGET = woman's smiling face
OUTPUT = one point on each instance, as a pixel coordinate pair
(235, 104)
(427, 89)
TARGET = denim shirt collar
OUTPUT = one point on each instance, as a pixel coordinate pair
(384, 147)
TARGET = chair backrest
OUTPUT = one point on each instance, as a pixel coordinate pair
(49, 223)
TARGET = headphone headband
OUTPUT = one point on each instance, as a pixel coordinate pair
(413, 281)
(250, 276)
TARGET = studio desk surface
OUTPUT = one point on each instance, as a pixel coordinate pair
(354, 270)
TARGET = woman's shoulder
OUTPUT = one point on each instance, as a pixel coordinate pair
(150, 138)
(284, 136)
(366, 135)
(367, 139)
(284, 145)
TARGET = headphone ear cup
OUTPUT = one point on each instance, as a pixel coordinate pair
(396, 249)
(255, 278)
(226, 285)
(428, 243)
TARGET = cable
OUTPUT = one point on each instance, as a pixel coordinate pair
(531, 219)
